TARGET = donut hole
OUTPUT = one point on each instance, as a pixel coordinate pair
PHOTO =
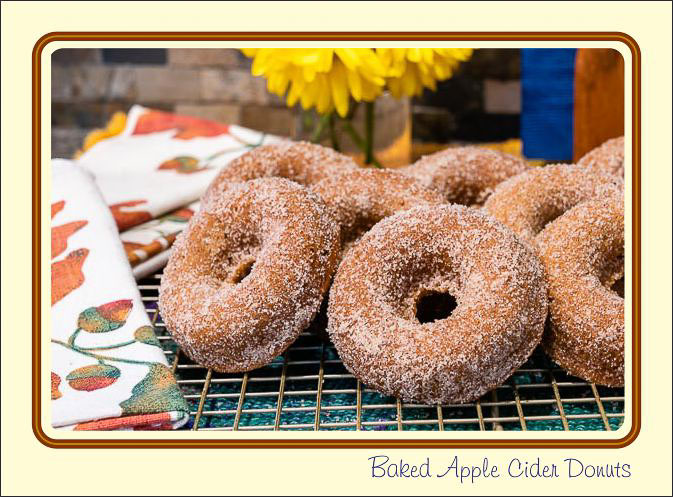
(611, 274)
(618, 287)
(551, 216)
(242, 270)
(358, 228)
(234, 267)
(433, 306)
(353, 236)
(355, 230)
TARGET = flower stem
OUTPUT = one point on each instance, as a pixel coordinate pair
(359, 142)
(318, 131)
(71, 340)
(332, 132)
(98, 356)
(108, 347)
(369, 133)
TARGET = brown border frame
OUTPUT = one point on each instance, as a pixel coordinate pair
(336, 36)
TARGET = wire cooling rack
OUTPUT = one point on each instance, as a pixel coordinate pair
(309, 388)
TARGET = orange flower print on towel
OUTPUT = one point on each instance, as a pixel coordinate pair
(60, 235)
(186, 127)
(161, 420)
(55, 382)
(158, 390)
(66, 274)
(143, 252)
(183, 214)
(165, 232)
(126, 218)
(57, 207)
(93, 377)
(129, 247)
(106, 317)
(183, 164)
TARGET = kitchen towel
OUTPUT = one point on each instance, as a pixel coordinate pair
(108, 370)
(153, 171)
(161, 162)
(147, 244)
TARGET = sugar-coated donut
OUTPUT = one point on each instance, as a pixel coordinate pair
(248, 273)
(465, 175)
(583, 255)
(360, 198)
(608, 157)
(530, 200)
(302, 162)
(422, 253)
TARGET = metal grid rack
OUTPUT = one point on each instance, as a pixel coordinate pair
(309, 388)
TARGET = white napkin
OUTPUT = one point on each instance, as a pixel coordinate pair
(163, 161)
(108, 370)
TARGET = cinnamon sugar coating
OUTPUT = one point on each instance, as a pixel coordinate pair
(360, 198)
(465, 175)
(583, 255)
(529, 201)
(248, 273)
(302, 162)
(501, 308)
(607, 157)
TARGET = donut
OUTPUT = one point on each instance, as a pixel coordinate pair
(360, 198)
(608, 157)
(425, 258)
(248, 273)
(583, 255)
(465, 175)
(529, 201)
(302, 162)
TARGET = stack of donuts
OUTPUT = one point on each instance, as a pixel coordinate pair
(436, 281)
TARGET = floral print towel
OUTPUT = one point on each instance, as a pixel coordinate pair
(152, 171)
(108, 370)
(162, 161)
(147, 245)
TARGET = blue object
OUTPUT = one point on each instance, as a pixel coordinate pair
(547, 82)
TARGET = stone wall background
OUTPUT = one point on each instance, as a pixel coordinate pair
(480, 103)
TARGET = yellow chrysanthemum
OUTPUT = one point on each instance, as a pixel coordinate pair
(114, 126)
(409, 70)
(324, 78)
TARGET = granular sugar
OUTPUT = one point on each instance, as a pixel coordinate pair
(501, 305)
(279, 231)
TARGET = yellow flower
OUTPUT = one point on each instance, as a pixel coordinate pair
(114, 126)
(409, 70)
(324, 78)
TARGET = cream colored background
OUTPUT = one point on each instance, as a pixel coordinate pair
(31, 468)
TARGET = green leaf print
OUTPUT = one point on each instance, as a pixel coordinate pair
(157, 392)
